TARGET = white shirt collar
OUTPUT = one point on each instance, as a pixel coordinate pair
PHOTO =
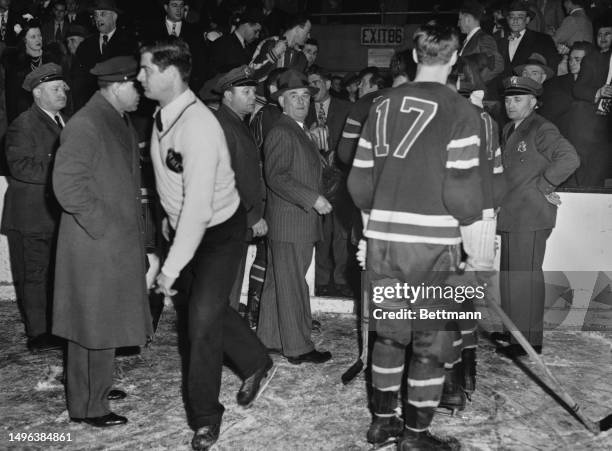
(170, 112)
(471, 33)
(240, 38)
(178, 24)
(52, 116)
(574, 10)
(110, 36)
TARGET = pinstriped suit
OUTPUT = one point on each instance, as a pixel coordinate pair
(293, 176)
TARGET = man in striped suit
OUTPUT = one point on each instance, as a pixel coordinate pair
(293, 170)
(416, 179)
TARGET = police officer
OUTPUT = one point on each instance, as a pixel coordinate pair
(536, 159)
(31, 213)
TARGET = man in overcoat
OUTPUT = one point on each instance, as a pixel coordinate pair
(100, 298)
(31, 213)
(536, 159)
(293, 174)
(238, 91)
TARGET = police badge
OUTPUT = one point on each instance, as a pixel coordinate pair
(522, 147)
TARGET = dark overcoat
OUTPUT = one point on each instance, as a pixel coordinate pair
(100, 294)
(29, 204)
(245, 163)
(536, 159)
(293, 169)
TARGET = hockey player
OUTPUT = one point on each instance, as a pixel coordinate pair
(416, 178)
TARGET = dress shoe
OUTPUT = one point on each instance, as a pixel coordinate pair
(250, 387)
(44, 342)
(205, 437)
(313, 356)
(110, 419)
(500, 336)
(116, 395)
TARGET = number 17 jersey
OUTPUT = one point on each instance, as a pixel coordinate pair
(415, 171)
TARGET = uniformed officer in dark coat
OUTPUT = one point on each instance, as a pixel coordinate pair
(31, 213)
(100, 298)
(238, 101)
(536, 159)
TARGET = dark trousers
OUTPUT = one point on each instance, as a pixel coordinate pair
(31, 263)
(522, 281)
(285, 320)
(215, 328)
(89, 377)
(331, 254)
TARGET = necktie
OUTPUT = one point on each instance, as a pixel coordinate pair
(3, 27)
(104, 43)
(173, 29)
(58, 121)
(321, 116)
(158, 121)
(58, 33)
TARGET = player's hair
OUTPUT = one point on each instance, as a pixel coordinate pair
(171, 52)
(318, 70)
(402, 63)
(586, 46)
(435, 44)
(377, 78)
(296, 20)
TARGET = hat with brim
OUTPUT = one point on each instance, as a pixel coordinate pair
(535, 59)
(239, 76)
(517, 86)
(116, 70)
(519, 6)
(76, 30)
(44, 73)
(105, 5)
(292, 79)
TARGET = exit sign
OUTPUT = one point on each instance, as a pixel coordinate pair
(382, 35)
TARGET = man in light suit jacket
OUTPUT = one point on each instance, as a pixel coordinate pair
(292, 168)
(521, 42)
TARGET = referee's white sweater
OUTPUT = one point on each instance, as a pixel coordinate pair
(204, 193)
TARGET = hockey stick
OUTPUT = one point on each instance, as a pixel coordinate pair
(361, 362)
(595, 427)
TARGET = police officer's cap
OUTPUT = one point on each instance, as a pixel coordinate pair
(239, 76)
(42, 74)
(514, 86)
(117, 69)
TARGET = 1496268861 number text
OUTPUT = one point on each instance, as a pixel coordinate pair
(40, 437)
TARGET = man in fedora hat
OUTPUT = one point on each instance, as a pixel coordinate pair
(108, 42)
(536, 159)
(535, 68)
(100, 301)
(522, 42)
(293, 171)
(31, 213)
(197, 189)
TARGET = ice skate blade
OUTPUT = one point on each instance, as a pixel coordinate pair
(450, 412)
(389, 444)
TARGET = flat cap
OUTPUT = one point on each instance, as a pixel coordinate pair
(239, 76)
(117, 69)
(42, 74)
(514, 86)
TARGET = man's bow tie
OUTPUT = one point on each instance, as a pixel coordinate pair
(514, 36)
